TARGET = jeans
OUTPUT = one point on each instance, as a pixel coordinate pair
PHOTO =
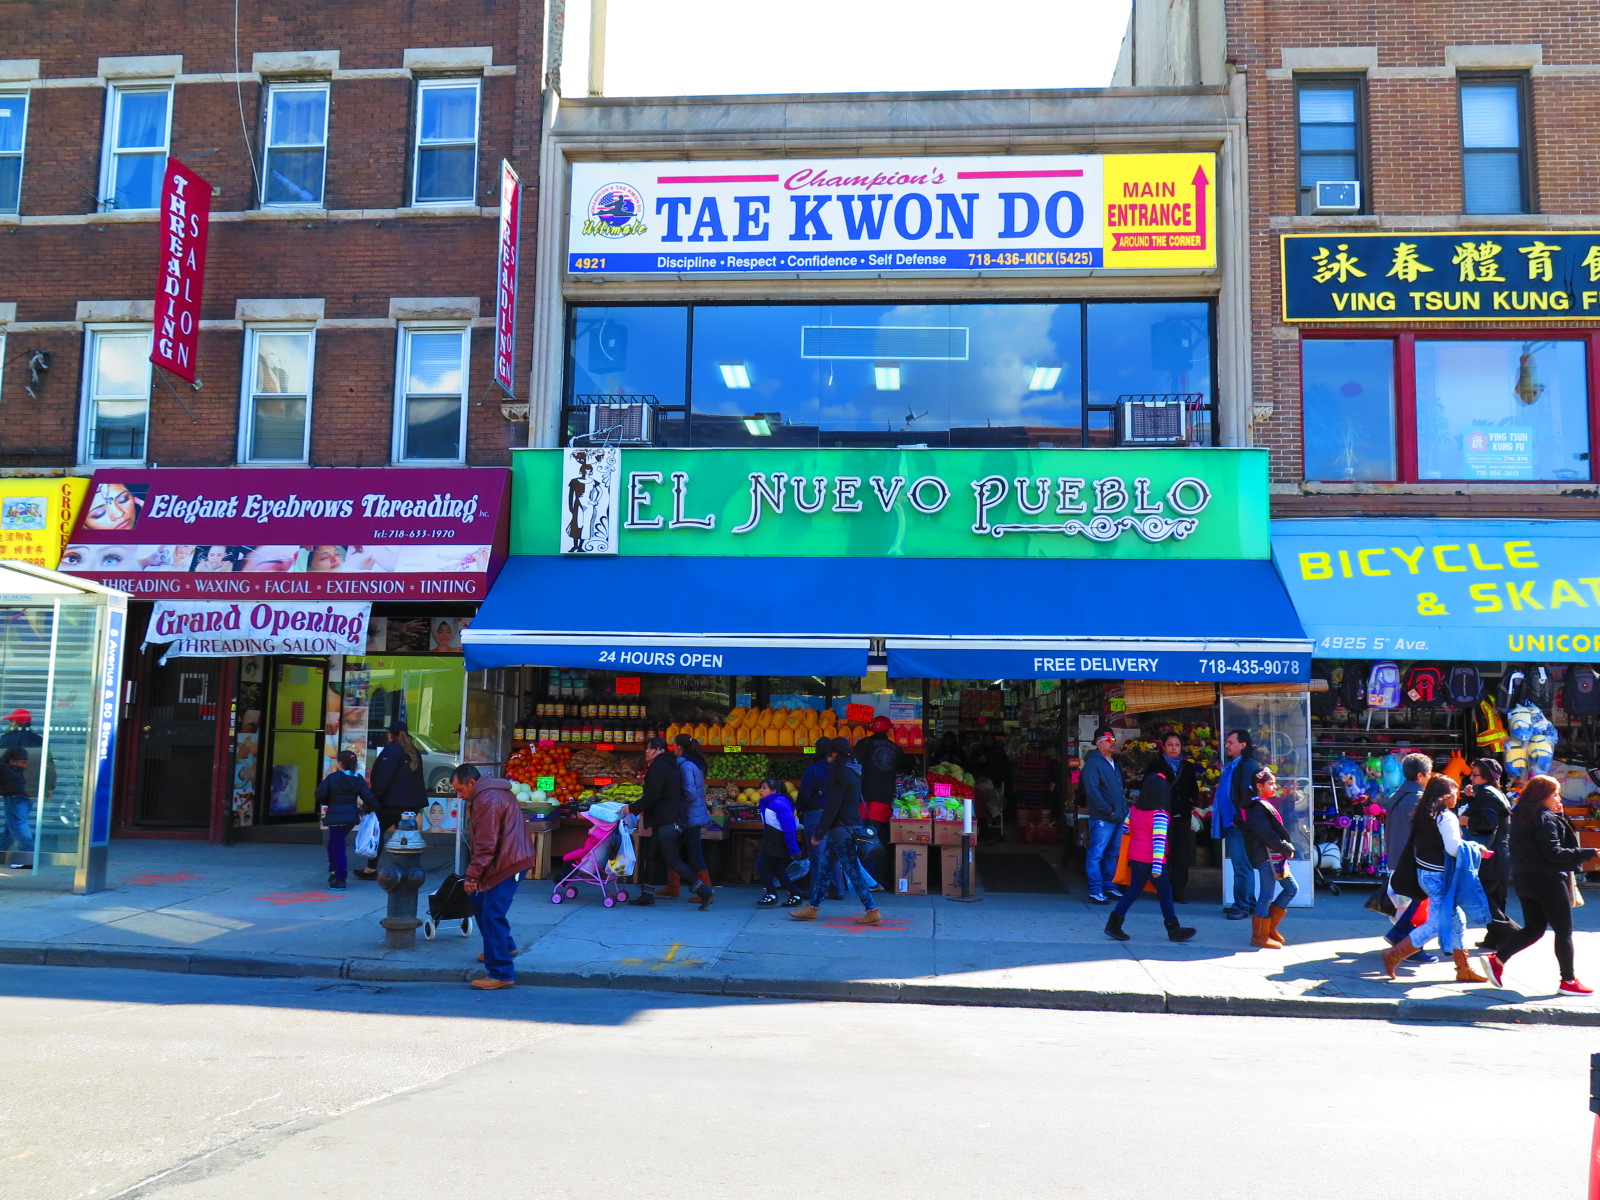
(1544, 905)
(693, 853)
(1401, 929)
(809, 821)
(338, 863)
(1448, 925)
(1244, 874)
(772, 860)
(838, 849)
(1265, 877)
(490, 908)
(1180, 854)
(19, 833)
(1139, 873)
(669, 845)
(1100, 864)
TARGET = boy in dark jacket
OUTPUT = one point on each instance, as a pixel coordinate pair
(663, 810)
(344, 797)
(780, 845)
(18, 806)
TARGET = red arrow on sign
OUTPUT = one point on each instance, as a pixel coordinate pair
(1200, 181)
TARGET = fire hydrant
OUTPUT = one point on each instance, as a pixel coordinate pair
(402, 877)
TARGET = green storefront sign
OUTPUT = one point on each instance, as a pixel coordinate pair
(867, 503)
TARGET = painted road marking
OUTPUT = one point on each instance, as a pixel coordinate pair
(152, 880)
(848, 924)
(669, 959)
(282, 898)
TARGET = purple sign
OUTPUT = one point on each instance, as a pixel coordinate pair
(328, 533)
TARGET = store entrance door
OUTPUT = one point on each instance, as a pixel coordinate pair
(177, 750)
(293, 754)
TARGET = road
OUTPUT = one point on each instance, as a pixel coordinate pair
(131, 1084)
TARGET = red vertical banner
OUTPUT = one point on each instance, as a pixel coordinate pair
(185, 215)
(505, 314)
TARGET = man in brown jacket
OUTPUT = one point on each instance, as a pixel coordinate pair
(500, 853)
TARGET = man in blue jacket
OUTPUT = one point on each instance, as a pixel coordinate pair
(1234, 787)
(1108, 808)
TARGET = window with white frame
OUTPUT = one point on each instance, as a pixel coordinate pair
(296, 145)
(276, 424)
(116, 395)
(138, 126)
(431, 406)
(13, 126)
(445, 166)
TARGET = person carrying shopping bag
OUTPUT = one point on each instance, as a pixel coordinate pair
(1145, 835)
(1436, 849)
(344, 797)
(397, 787)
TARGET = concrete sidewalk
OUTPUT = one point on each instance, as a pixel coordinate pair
(263, 910)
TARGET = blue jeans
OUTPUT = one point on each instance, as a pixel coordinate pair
(338, 861)
(1138, 873)
(809, 821)
(1244, 875)
(1100, 863)
(490, 908)
(1449, 925)
(1287, 889)
(838, 850)
(19, 833)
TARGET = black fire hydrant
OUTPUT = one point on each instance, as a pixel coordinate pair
(402, 877)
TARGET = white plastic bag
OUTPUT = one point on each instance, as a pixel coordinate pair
(367, 836)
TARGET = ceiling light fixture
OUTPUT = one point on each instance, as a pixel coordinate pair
(886, 376)
(1045, 377)
(757, 427)
(735, 374)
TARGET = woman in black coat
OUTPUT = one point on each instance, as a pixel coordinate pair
(1488, 823)
(1544, 848)
(397, 787)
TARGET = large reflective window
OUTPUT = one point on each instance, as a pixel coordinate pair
(1348, 402)
(1155, 351)
(1502, 410)
(626, 353)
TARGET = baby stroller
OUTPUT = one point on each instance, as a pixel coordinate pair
(449, 903)
(591, 862)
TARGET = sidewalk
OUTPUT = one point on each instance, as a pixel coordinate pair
(263, 910)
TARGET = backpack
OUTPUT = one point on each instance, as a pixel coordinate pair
(1513, 686)
(1582, 697)
(1540, 690)
(1464, 685)
(1353, 690)
(1425, 686)
(1383, 685)
(1323, 703)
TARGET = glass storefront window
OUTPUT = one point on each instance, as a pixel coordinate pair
(1502, 410)
(424, 691)
(625, 351)
(1153, 349)
(1280, 731)
(1348, 400)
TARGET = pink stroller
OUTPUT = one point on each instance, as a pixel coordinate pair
(591, 861)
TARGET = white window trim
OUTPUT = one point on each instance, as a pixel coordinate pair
(267, 147)
(108, 144)
(247, 394)
(426, 85)
(401, 374)
(22, 154)
(91, 336)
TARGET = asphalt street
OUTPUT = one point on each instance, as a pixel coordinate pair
(135, 1084)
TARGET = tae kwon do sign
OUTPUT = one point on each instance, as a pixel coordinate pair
(886, 215)
(185, 216)
(860, 503)
(217, 629)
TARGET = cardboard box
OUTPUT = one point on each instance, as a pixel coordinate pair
(947, 833)
(950, 871)
(910, 870)
(906, 832)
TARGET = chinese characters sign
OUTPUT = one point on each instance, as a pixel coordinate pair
(185, 212)
(36, 517)
(811, 217)
(1457, 276)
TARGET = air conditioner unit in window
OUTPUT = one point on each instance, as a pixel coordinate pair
(1153, 420)
(1338, 196)
(619, 420)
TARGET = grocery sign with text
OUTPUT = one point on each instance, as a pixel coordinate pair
(1048, 213)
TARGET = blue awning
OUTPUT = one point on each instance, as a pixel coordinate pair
(993, 619)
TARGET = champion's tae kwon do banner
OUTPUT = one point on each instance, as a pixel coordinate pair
(328, 533)
(185, 217)
(1051, 213)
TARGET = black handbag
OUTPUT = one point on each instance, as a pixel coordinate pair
(1404, 881)
(1380, 903)
(869, 848)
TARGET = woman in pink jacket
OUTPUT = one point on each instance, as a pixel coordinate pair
(1146, 831)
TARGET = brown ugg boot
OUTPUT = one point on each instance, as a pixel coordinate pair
(1393, 957)
(804, 913)
(1464, 971)
(670, 892)
(871, 917)
(705, 881)
(1274, 916)
(1259, 934)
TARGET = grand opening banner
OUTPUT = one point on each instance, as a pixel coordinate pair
(888, 215)
(334, 533)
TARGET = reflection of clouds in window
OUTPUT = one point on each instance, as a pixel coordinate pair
(435, 363)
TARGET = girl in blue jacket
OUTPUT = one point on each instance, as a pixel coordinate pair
(780, 845)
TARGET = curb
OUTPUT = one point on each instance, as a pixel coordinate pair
(265, 966)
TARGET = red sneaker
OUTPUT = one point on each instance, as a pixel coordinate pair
(1571, 987)
(1494, 969)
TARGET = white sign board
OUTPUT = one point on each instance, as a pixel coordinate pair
(228, 629)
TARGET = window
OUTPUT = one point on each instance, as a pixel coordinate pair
(13, 124)
(297, 145)
(1330, 141)
(431, 416)
(446, 166)
(277, 425)
(138, 125)
(1446, 409)
(1494, 166)
(116, 395)
(1008, 374)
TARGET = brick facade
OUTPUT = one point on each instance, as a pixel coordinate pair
(1414, 183)
(363, 249)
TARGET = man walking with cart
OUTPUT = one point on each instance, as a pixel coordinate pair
(500, 853)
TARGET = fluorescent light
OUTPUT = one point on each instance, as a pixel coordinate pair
(757, 426)
(1045, 377)
(734, 373)
(886, 376)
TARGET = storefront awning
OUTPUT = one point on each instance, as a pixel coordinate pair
(1227, 621)
(1475, 591)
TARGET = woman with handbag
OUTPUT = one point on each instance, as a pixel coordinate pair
(833, 839)
(692, 765)
(343, 797)
(397, 787)
(1435, 837)
(1545, 856)
(1488, 822)
(1145, 836)
(1266, 842)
